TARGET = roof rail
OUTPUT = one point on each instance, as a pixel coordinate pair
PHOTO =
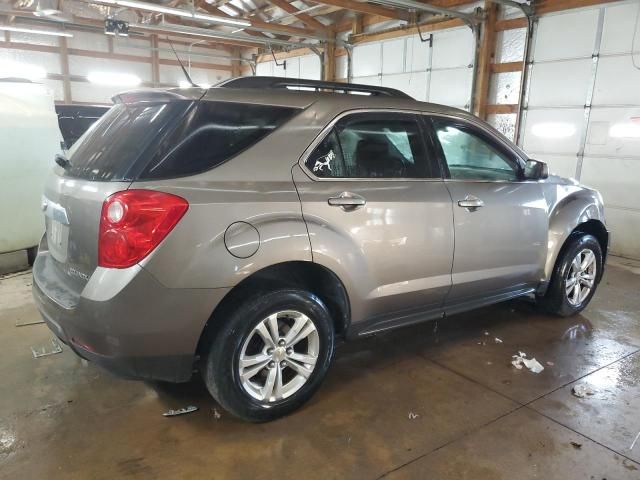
(317, 85)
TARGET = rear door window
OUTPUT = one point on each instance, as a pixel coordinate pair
(212, 133)
(372, 145)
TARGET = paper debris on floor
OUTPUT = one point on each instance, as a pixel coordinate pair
(581, 390)
(180, 411)
(47, 350)
(216, 414)
(413, 416)
(531, 363)
(498, 340)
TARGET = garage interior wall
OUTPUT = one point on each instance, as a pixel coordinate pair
(581, 101)
(95, 52)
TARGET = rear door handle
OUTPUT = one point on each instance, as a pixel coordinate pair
(347, 201)
(471, 203)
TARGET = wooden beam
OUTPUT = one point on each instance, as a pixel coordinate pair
(511, 23)
(407, 30)
(297, 52)
(506, 67)
(305, 18)
(485, 58)
(549, 6)
(502, 108)
(109, 56)
(363, 7)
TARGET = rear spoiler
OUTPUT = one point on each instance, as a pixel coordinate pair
(158, 95)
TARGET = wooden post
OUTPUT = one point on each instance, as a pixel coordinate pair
(356, 26)
(155, 61)
(485, 58)
(329, 58)
(236, 70)
(64, 68)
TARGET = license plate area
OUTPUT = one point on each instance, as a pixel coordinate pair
(57, 236)
(57, 230)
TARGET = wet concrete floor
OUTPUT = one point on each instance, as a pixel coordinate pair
(435, 401)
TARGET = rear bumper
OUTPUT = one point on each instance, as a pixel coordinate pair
(126, 321)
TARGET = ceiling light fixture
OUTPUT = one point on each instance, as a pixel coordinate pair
(36, 31)
(151, 7)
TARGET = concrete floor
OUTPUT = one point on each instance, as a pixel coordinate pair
(421, 402)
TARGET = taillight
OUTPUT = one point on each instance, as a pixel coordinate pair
(133, 223)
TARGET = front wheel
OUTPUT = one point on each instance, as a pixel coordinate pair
(575, 277)
(271, 354)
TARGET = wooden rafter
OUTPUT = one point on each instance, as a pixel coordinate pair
(363, 7)
(305, 18)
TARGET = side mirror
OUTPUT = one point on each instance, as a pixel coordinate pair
(535, 170)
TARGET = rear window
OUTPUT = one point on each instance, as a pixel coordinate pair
(111, 147)
(212, 133)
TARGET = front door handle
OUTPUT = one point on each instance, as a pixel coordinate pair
(471, 203)
(347, 201)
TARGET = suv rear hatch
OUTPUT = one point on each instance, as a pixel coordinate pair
(145, 136)
(103, 161)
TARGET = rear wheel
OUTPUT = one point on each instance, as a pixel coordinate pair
(271, 354)
(576, 275)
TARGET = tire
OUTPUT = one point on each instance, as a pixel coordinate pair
(238, 339)
(561, 298)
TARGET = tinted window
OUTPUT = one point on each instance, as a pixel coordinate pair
(111, 147)
(212, 133)
(75, 120)
(469, 157)
(371, 146)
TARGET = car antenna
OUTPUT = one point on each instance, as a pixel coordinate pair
(184, 70)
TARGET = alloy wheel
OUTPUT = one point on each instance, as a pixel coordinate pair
(581, 277)
(278, 356)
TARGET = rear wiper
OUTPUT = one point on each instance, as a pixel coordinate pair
(62, 161)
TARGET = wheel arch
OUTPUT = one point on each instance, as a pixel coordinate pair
(310, 276)
(577, 209)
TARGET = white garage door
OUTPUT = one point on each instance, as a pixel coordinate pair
(307, 66)
(440, 74)
(583, 109)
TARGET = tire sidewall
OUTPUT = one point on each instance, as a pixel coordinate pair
(223, 359)
(578, 244)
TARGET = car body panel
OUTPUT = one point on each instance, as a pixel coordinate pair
(502, 245)
(393, 253)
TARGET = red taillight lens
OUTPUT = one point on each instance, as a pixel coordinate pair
(133, 223)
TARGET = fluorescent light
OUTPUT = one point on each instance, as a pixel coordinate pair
(553, 130)
(27, 71)
(625, 130)
(36, 31)
(204, 85)
(114, 79)
(184, 84)
(152, 7)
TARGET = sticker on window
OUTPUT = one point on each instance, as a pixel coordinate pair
(319, 166)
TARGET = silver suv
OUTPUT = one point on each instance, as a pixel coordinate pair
(240, 230)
